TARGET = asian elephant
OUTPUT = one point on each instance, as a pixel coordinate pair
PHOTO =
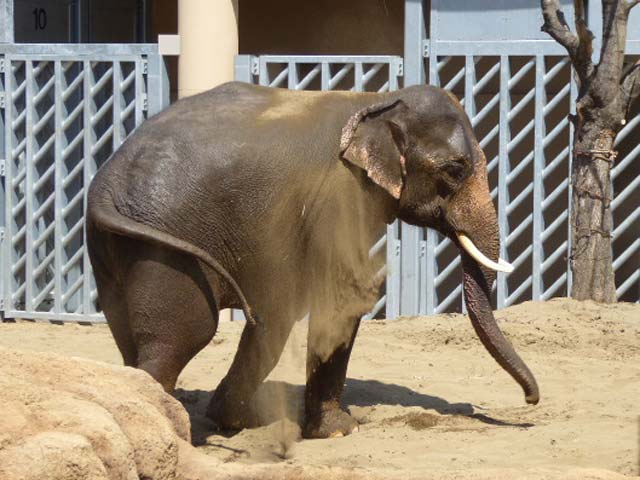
(269, 200)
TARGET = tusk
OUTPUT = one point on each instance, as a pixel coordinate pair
(481, 258)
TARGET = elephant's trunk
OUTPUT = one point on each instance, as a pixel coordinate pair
(477, 297)
(473, 218)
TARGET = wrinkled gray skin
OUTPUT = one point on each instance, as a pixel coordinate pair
(269, 200)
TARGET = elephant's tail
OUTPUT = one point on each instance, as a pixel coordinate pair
(106, 217)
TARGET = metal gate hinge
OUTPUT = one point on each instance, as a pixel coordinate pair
(145, 66)
(255, 66)
(2, 63)
(3, 164)
(2, 99)
(145, 102)
(425, 48)
(400, 67)
(1, 235)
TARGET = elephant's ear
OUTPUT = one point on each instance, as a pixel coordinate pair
(375, 140)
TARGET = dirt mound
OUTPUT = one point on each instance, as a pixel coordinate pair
(74, 418)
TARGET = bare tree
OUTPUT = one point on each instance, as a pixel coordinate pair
(605, 93)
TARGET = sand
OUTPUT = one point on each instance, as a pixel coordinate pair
(430, 399)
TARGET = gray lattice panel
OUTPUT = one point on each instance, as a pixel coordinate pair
(63, 116)
(518, 106)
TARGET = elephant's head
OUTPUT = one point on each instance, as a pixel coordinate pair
(419, 146)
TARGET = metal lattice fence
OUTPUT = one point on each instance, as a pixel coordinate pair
(65, 108)
(518, 104)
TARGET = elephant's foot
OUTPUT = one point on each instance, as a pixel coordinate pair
(228, 415)
(331, 423)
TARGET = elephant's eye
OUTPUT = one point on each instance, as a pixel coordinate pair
(457, 169)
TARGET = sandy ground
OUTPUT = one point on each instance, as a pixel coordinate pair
(428, 396)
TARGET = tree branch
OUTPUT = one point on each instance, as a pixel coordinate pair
(615, 17)
(584, 54)
(579, 47)
(556, 26)
(629, 4)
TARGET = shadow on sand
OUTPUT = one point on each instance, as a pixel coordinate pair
(276, 400)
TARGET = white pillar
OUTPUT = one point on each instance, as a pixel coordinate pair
(209, 43)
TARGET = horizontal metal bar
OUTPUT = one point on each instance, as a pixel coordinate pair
(73, 51)
(56, 316)
(493, 48)
(328, 58)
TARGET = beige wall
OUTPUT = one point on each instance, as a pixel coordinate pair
(322, 27)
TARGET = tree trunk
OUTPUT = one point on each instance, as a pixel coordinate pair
(606, 91)
(591, 218)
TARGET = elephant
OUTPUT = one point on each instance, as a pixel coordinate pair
(269, 200)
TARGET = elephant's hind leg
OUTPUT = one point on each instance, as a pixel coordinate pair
(328, 351)
(115, 310)
(172, 311)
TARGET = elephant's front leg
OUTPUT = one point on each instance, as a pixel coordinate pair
(328, 351)
(260, 348)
